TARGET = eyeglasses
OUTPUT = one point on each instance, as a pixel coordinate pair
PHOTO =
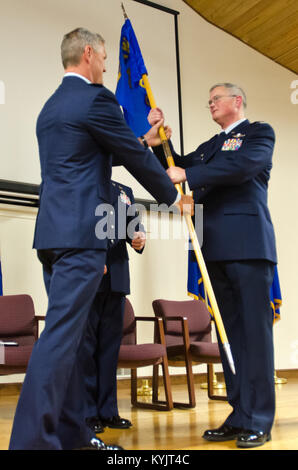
(217, 98)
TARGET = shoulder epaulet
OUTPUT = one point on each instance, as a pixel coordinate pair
(260, 122)
(262, 126)
(120, 186)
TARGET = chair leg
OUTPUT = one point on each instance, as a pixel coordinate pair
(190, 382)
(133, 386)
(167, 384)
(155, 383)
(210, 380)
(190, 387)
(155, 404)
(189, 373)
(210, 383)
(168, 402)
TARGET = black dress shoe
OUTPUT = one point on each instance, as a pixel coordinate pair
(116, 422)
(252, 438)
(98, 444)
(223, 433)
(94, 423)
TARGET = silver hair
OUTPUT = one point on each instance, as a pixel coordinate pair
(234, 89)
(74, 43)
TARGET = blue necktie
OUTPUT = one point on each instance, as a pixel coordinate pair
(220, 138)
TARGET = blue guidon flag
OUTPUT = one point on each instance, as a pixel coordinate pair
(195, 288)
(131, 93)
(275, 296)
(195, 285)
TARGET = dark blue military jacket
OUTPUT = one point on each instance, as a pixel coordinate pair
(229, 175)
(122, 221)
(79, 129)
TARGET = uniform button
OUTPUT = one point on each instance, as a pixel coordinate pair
(202, 188)
(112, 226)
(112, 241)
(202, 156)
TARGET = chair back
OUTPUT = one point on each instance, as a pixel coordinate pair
(196, 312)
(16, 316)
(17, 323)
(129, 324)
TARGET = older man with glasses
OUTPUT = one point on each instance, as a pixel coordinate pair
(229, 175)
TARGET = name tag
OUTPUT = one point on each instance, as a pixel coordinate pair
(231, 144)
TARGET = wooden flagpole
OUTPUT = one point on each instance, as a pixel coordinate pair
(193, 235)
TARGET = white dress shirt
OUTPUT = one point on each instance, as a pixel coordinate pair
(232, 126)
(73, 74)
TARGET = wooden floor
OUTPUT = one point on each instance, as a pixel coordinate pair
(180, 429)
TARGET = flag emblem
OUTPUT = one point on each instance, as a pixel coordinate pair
(130, 92)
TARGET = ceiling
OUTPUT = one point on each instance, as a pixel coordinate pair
(268, 26)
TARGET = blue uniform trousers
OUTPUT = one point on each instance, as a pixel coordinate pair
(100, 352)
(242, 291)
(50, 413)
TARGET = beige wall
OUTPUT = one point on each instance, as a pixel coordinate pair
(208, 55)
(160, 272)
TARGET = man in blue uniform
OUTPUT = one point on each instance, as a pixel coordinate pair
(104, 330)
(229, 175)
(79, 129)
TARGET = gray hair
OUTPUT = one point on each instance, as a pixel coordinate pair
(74, 43)
(234, 89)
